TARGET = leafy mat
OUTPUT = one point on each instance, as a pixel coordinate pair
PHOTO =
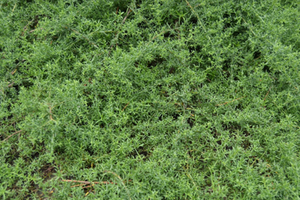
(149, 99)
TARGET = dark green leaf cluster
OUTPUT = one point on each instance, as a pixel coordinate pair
(156, 99)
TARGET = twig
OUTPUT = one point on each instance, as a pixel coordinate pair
(78, 185)
(14, 7)
(87, 182)
(11, 135)
(249, 27)
(13, 72)
(11, 84)
(129, 11)
(88, 186)
(50, 110)
(125, 107)
(85, 38)
(120, 180)
(229, 101)
(117, 34)
(88, 192)
(196, 15)
(267, 94)
(25, 27)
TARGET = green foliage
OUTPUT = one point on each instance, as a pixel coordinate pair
(165, 99)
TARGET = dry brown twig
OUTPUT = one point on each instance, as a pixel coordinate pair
(230, 101)
(11, 135)
(83, 37)
(91, 184)
(117, 34)
(125, 107)
(11, 84)
(116, 175)
(88, 192)
(50, 110)
(267, 93)
(25, 27)
(87, 182)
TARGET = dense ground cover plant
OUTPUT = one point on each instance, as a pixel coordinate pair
(149, 99)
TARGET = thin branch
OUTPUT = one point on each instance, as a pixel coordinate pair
(14, 7)
(11, 84)
(84, 37)
(129, 11)
(25, 27)
(117, 34)
(196, 15)
(88, 192)
(87, 182)
(50, 110)
(11, 135)
(78, 185)
(267, 94)
(120, 180)
(230, 101)
(125, 107)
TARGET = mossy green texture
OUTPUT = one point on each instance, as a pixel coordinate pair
(162, 99)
